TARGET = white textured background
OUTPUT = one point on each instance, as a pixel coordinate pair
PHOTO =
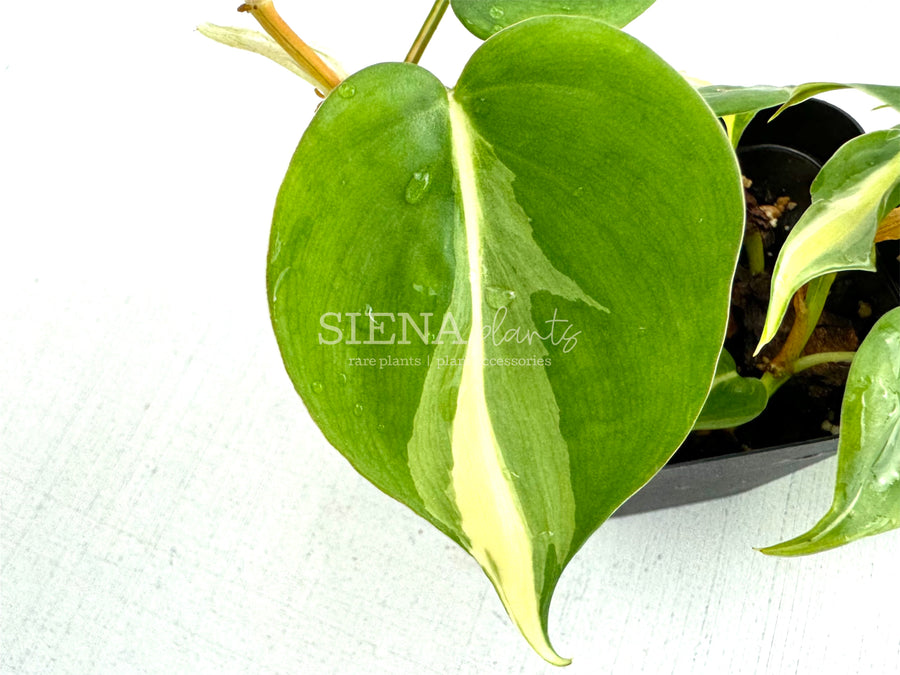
(167, 505)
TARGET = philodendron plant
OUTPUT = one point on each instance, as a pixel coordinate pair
(505, 302)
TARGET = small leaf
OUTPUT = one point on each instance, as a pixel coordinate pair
(463, 284)
(851, 195)
(733, 400)
(260, 43)
(867, 494)
(483, 18)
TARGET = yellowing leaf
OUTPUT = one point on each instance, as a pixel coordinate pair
(262, 44)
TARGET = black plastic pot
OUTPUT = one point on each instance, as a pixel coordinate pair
(814, 127)
(783, 157)
(700, 480)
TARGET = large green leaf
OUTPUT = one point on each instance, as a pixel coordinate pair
(855, 189)
(486, 17)
(867, 495)
(572, 188)
(733, 400)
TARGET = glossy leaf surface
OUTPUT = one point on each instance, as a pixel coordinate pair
(504, 303)
(733, 400)
(483, 18)
(851, 195)
(867, 495)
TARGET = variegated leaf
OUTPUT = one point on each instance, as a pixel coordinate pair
(867, 495)
(476, 294)
(851, 195)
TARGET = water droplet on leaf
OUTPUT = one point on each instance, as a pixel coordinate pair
(417, 187)
(317, 387)
(279, 280)
(496, 12)
(358, 409)
(497, 297)
(885, 480)
(346, 91)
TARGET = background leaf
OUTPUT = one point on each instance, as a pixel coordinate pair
(745, 102)
(851, 195)
(483, 18)
(733, 100)
(733, 400)
(867, 495)
(890, 96)
(572, 185)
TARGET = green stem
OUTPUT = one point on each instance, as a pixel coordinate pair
(813, 360)
(756, 255)
(773, 383)
(428, 28)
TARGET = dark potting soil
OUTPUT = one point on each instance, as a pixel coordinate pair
(808, 406)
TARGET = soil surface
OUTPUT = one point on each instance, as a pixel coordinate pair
(808, 406)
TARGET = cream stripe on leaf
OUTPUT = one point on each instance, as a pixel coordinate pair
(504, 303)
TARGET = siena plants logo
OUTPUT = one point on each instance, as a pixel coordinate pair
(404, 328)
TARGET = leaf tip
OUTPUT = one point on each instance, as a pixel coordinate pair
(784, 107)
(546, 651)
(777, 551)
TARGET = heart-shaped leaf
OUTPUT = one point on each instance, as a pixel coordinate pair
(733, 400)
(483, 18)
(853, 192)
(867, 496)
(504, 303)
